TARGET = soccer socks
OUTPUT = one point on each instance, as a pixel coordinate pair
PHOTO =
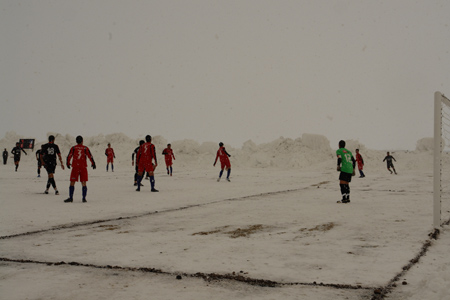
(71, 190)
(228, 173)
(152, 181)
(84, 189)
(112, 167)
(220, 173)
(345, 191)
(139, 179)
(170, 170)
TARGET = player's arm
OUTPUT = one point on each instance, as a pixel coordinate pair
(69, 158)
(60, 160)
(23, 151)
(225, 151)
(91, 158)
(393, 158)
(217, 156)
(154, 155)
(353, 162)
(339, 161)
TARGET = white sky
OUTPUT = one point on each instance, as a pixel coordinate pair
(225, 71)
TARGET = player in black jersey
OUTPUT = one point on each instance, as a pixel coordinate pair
(5, 156)
(39, 162)
(16, 151)
(49, 152)
(135, 164)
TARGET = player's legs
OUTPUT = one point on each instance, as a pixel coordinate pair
(344, 180)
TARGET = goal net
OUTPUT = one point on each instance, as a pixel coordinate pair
(441, 186)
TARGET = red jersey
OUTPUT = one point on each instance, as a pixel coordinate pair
(109, 152)
(146, 153)
(79, 153)
(168, 154)
(223, 155)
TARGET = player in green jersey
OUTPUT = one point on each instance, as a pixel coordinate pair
(346, 165)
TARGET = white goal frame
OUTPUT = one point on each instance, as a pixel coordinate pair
(439, 101)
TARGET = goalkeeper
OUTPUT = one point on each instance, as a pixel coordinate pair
(346, 165)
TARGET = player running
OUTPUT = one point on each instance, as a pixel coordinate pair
(78, 154)
(360, 161)
(224, 161)
(135, 164)
(109, 152)
(168, 155)
(389, 163)
(145, 155)
(47, 158)
(346, 165)
(16, 151)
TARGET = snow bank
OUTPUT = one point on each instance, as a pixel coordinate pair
(309, 150)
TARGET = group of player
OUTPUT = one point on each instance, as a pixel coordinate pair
(143, 157)
(346, 164)
(145, 161)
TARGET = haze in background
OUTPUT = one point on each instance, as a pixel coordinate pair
(225, 70)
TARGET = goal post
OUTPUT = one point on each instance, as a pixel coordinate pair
(439, 102)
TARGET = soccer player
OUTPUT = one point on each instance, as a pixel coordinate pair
(389, 163)
(16, 151)
(135, 164)
(5, 156)
(39, 163)
(168, 154)
(146, 154)
(109, 152)
(224, 161)
(48, 154)
(346, 165)
(78, 154)
(360, 162)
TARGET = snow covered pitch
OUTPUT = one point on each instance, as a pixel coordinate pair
(274, 232)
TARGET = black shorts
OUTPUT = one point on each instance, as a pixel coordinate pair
(345, 176)
(50, 167)
(16, 158)
(390, 165)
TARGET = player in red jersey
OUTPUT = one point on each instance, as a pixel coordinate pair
(168, 154)
(224, 161)
(145, 155)
(360, 162)
(78, 154)
(109, 152)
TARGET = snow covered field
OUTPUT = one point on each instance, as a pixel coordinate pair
(274, 232)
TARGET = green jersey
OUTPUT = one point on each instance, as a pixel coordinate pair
(346, 160)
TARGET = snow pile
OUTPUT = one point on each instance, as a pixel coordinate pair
(311, 150)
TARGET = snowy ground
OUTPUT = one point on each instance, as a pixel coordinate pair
(270, 233)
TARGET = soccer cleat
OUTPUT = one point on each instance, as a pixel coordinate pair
(39, 175)
(138, 190)
(228, 179)
(218, 179)
(84, 200)
(56, 193)
(155, 190)
(346, 201)
(68, 200)
(46, 192)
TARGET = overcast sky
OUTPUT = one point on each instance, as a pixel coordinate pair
(225, 71)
